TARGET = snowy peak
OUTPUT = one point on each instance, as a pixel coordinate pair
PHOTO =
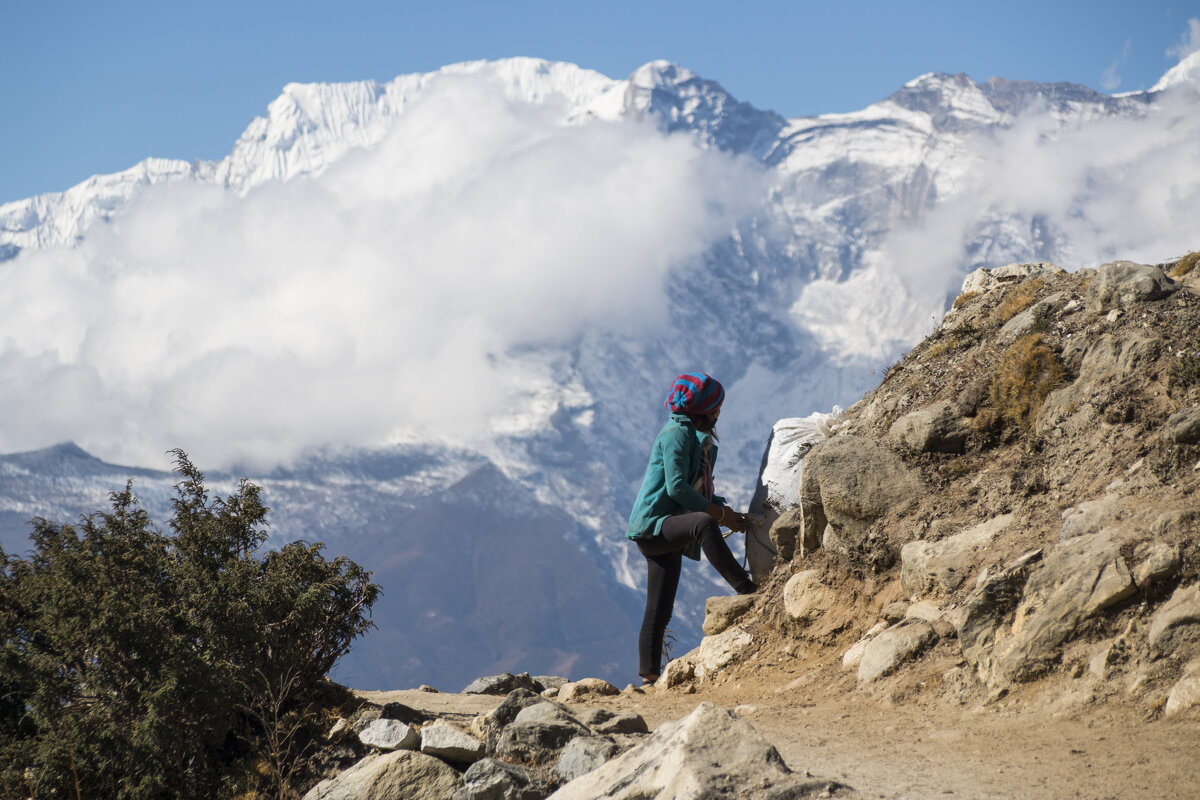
(682, 100)
(1185, 73)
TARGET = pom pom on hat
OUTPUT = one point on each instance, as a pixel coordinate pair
(695, 393)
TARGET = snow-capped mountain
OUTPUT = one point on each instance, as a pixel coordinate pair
(828, 245)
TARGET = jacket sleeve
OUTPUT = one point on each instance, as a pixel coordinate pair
(676, 461)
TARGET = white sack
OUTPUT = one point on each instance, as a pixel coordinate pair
(791, 439)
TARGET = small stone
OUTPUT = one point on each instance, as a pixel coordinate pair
(425, 687)
(585, 688)
(894, 612)
(501, 684)
(449, 743)
(390, 734)
(339, 725)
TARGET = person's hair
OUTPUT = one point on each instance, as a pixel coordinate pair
(704, 426)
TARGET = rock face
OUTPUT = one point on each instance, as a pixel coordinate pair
(942, 566)
(937, 428)
(985, 279)
(1104, 363)
(403, 773)
(1122, 283)
(1078, 579)
(849, 482)
(721, 612)
(709, 753)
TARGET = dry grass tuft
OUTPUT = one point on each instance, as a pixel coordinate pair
(1029, 371)
(1019, 299)
(965, 298)
(1185, 265)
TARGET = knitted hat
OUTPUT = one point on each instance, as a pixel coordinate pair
(695, 393)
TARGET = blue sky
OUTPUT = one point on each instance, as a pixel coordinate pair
(96, 87)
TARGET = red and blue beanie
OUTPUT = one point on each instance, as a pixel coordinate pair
(695, 393)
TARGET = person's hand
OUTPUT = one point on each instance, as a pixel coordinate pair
(736, 522)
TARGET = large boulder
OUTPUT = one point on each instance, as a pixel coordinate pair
(937, 428)
(450, 743)
(722, 611)
(805, 598)
(715, 652)
(1122, 283)
(402, 773)
(891, 648)
(944, 565)
(582, 755)
(538, 732)
(390, 734)
(495, 721)
(849, 482)
(489, 779)
(710, 753)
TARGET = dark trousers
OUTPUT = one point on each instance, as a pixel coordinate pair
(664, 562)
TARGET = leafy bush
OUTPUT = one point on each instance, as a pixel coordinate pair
(1028, 372)
(137, 664)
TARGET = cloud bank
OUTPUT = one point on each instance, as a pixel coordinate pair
(380, 300)
(1077, 194)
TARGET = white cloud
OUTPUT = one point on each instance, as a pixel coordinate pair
(1112, 78)
(1190, 42)
(381, 299)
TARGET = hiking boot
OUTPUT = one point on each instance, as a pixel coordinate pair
(746, 587)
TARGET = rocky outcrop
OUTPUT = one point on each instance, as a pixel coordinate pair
(1122, 283)
(944, 565)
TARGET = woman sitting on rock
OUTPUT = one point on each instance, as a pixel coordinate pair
(676, 512)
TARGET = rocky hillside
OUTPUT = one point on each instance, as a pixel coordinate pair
(1008, 522)
(1011, 516)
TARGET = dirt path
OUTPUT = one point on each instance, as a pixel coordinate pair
(918, 751)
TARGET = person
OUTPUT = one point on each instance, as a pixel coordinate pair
(676, 512)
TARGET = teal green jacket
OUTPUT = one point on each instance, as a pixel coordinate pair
(668, 488)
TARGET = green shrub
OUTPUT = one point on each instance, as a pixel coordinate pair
(137, 664)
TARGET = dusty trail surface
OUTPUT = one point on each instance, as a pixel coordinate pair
(921, 751)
